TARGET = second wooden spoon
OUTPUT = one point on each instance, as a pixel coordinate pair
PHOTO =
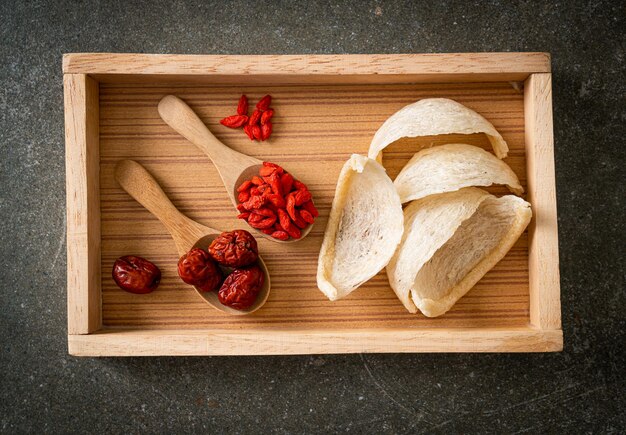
(187, 234)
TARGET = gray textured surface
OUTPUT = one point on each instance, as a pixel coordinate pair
(45, 390)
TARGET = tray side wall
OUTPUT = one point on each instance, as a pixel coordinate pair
(308, 69)
(543, 254)
(82, 166)
(208, 342)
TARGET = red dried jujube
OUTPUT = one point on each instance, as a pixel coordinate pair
(197, 268)
(241, 288)
(234, 248)
(135, 274)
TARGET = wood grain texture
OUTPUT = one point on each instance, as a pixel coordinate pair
(228, 342)
(545, 312)
(308, 69)
(84, 314)
(316, 128)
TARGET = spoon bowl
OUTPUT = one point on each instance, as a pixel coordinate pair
(187, 233)
(234, 167)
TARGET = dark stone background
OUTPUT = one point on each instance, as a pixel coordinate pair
(42, 389)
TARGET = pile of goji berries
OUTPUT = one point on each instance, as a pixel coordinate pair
(275, 203)
(258, 125)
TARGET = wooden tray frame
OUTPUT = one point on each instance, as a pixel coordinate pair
(84, 71)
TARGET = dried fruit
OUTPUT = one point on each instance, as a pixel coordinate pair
(244, 186)
(280, 235)
(258, 125)
(277, 202)
(234, 121)
(243, 196)
(256, 132)
(247, 129)
(135, 274)
(242, 106)
(234, 248)
(264, 103)
(266, 130)
(255, 118)
(197, 268)
(267, 115)
(241, 288)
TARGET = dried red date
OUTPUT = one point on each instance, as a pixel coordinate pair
(235, 248)
(136, 274)
(197, 268)
(241, 288)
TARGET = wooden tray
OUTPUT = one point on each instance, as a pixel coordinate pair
(327, 107)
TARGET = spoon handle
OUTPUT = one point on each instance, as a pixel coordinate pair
(139, 184)
(229, 163)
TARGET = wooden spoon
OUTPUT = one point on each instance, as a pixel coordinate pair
(234, 167)
(187, 234)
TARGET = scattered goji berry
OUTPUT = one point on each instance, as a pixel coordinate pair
(234, 121)
(264, 103)
(247, 129)
(256, 132)
(266, 130)
(267, 115)
(255, 117)
(242, 107)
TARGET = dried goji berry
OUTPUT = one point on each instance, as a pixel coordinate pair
(274, 165)
(255, 218)
(255, 117)
(266, 222)
(234, 121)
(266, 130)
(264, 103)
(241, 207)
(247, 129)
(256, 131)
(274, 182)
(268, 231)
(291, 206)
(266, 171)
(257, 181)
(267, 115)
(306, 216)
(302, 196)
(283, 219)
(287, 181)
(264, 188)
(244, 186)
(310, 207)
(244, 215)
(242, 107)
(265, 212)
(254, 202)
(277, 200)
(243, 196)
(280, 235)
(300, 223)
